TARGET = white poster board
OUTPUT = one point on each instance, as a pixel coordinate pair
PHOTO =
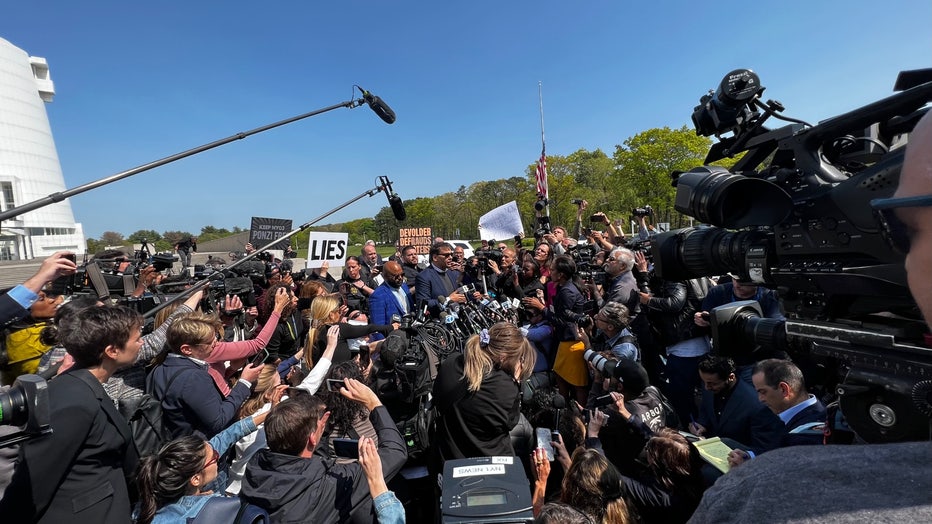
(329, 247)
(501, 223)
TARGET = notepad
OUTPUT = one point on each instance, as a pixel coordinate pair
(715, 452)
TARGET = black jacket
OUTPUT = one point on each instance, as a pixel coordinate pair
(79, 472)
(296, 489)
(672, 308)
(474, 424)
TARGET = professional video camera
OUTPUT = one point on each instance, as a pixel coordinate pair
(25, 404)
(803, 224)
(582, 255)
(645, 211)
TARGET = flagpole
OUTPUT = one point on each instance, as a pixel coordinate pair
(542, 206)
(543, 144)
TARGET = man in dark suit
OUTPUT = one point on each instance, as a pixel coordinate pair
(438, 281)
(781, 387)
(392, 297)
(730, 409)
(83, 471)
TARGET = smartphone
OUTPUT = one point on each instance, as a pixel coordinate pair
(259, 357)
(334, 384)
(604, 400)
(597, 218)
(705, 316)
(544, 441)
(63, 285)
(346, 447)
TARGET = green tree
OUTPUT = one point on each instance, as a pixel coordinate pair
(111, 238)
(645, 162)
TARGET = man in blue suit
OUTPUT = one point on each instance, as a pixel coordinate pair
(730, 409)
(391, 298)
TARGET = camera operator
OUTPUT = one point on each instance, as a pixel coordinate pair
(671, 312)
(624, 288)
(609, 238)
(735, 291)
(611, 333)
(185, 248)
(634, 410)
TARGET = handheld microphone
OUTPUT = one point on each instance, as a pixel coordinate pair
(378, 106)
(559, 403)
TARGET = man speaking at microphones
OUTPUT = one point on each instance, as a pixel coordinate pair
(438, 280)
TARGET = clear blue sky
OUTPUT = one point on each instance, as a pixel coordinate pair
(140, 81)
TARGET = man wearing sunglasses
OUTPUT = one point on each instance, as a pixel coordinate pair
(856, 483)
(907, 216)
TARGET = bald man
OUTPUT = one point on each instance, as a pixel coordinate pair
(391, 298)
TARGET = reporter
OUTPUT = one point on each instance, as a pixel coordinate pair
(478, 395)
(82, 469)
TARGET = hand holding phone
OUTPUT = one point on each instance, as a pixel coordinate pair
(335, 384)
(544, 440)
(346, 447)
(259, 358)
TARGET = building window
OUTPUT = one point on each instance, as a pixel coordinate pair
(6, 199)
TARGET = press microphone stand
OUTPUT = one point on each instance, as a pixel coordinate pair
(384, 185)
(59, 196)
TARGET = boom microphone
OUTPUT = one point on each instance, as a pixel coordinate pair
(378, 106)
(398, 207)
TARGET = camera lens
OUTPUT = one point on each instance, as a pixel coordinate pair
(696, 252)
(713, 195)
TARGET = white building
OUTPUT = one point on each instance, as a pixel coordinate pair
(29, 167)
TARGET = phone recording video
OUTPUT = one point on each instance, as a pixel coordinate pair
(334, 384)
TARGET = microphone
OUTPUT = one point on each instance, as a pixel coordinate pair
(378, 106)
(558, 404)
(394, 201)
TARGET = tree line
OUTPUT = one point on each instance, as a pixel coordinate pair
(636, 174)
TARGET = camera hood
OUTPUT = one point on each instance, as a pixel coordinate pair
(716, 196)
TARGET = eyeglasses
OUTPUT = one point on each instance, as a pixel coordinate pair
(213, 459)
(611, 259)
(445, 255)
(893, 229)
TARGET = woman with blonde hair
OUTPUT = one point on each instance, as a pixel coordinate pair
(325, 313)
(267, 388)
(478, 395)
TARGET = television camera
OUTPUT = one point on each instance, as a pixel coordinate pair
(794, 214)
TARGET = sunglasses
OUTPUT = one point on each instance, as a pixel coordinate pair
(445, 255)
(893, 229)
(213, 459)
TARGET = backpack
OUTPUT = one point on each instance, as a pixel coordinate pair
(231, 510)
(419, 430)
(145, 423)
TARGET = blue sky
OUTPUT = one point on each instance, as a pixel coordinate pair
(140, 81)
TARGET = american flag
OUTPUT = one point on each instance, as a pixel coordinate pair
(542, 173)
